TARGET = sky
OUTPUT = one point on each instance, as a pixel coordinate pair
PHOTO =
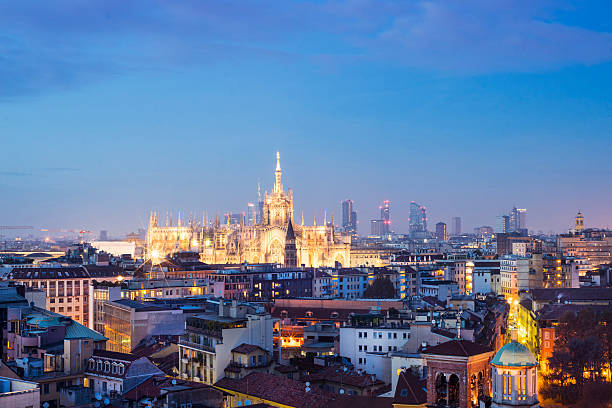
(112, 109)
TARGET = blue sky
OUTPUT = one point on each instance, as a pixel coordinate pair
(111, 109)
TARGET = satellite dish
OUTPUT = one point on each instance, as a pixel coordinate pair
(341, 391)
(308, 383)
(106, 401)
(98, 396)
(247, 402)
(45, 404)
(307, 389)
(97, 404)
(239, 403)
(173, 382)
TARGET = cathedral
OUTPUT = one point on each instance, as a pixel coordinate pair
(276, 239)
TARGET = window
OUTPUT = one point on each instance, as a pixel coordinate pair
(360, 334)
(360, 347)
(395, 335)
(106, 366)
(365, 348)
(389, 335)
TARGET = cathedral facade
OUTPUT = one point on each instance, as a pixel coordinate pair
(276, 239)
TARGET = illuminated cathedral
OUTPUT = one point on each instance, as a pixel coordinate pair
(276, 239)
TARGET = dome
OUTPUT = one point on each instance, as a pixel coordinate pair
(514, 354)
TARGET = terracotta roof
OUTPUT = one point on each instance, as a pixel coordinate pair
(246, 348)
(168, 364)
(277, 389)
(410, 390)
(152, 387)
(443, 332)
(460, 348)
(349, 377)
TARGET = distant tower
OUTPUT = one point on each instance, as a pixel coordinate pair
(349, 217)
(385, 216)
(456, 223)
(579, 222)
(290, 248)
(441, 231)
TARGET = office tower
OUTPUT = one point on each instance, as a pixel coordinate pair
(502, 224)
(349, 217)
(417, 221)
(377, 227)
(103, 235)
(518, 219)
(441, 231)
(251, 214)
(385, 216)
(579, 222)
(456, 223)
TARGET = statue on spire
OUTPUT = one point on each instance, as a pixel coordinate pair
(277, 173)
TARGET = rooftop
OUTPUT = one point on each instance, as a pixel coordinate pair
(460, 348)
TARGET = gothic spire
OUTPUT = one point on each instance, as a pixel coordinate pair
(277, 173)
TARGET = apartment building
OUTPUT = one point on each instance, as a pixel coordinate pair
(205, 349)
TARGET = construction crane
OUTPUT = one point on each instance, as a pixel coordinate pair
(12, 227)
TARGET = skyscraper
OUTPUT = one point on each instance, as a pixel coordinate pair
(441, 231)
(385, 216)
(349, 217)
(417, 221)
(502, 224)
(518, 220)
(456, 223)
(251, 214)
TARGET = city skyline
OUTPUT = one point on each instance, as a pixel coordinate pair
(109, 111)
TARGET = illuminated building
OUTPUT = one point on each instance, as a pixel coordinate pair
(128, 322)
(316, 245)
(518, 220)
(593, 245)
(205, 349)
(579, 223)
(502, 224)
(515, 377)
(441, 233)
(67, 288)
(377, 228)
(385, 216)
(417, 222)
(457, 373)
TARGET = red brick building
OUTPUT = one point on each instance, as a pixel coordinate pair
(458, 372)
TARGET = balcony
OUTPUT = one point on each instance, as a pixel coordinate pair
(196, 346)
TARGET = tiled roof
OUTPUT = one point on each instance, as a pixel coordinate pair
(277, 389)
(75, 272)
(443, 332)
(460, 348)
(349, 377)
(96, 271)
(245, 348)
(152, 387)
(410, 390)
(114, 355)
(575, 294)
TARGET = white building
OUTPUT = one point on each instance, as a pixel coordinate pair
(514, 377)
(360, 344)
(206, 348)
(514, 271)
(116, 248)
(486, 276)
(16, 393)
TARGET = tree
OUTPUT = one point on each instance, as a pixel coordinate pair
(381, 288)
(581, 356)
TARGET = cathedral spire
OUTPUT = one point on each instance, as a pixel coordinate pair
(179, 220)
(277, 173)
(302, 218)
(325, 218)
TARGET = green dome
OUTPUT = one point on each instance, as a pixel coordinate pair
(514, 354)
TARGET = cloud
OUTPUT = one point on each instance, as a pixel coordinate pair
(51, 45)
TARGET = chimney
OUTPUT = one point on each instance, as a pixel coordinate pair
(221, 308)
